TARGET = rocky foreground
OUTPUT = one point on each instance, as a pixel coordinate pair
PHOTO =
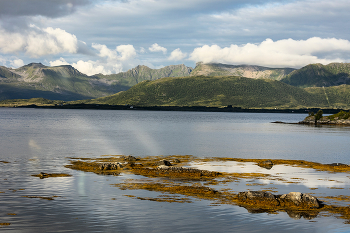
(172, 176)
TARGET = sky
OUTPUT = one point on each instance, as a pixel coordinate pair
(112, 36)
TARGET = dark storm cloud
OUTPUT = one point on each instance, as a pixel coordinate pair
(52, 8)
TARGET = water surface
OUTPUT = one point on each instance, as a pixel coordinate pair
(40, 140)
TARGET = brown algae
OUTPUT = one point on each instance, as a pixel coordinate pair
(190, 183)
(5, 224)
(44, 198)
(43, 175)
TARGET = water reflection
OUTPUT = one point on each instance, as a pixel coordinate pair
(284, 178)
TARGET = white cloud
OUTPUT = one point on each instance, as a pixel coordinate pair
(59, 62)
(177, 55)
(157, 48)
(11, 42)
(17, 63)
(142, 50)
(38, 42)
(281, 53)
(127, 52)
(13, 62)
(90, 67)
(104, 51)
(109, 61)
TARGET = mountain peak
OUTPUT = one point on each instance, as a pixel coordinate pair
(35, 65)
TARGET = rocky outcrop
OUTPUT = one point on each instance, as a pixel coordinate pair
(310, 120)
(291, 200)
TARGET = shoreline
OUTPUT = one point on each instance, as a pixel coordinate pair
(176, 108)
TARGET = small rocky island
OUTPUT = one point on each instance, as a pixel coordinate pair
(340, 118)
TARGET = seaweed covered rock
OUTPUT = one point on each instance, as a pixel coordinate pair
(292, 199)
(163, 163)
(110, 166)
(129, 158)
(266, 164)
(261, 197)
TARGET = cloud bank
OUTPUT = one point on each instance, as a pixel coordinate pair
(108, 60)
(38, 42)
(109, 36)
(281, 53)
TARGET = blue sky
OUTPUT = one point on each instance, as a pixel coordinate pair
(110, 36)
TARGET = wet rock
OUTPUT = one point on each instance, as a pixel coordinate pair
(110, 166)
(266, 164)
(43, 175)
(301, 199)
(258, 196)
(296, 199)
(163, 162)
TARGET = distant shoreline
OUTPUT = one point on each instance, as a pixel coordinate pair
(176, 108)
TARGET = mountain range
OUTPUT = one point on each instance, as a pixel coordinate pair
(206, 85)
(66, 83)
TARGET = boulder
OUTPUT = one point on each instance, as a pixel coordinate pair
(163, 162)
(292, 199)
(266, 164)
(301, 199)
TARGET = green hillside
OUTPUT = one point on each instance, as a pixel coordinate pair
(335, 97)
(215, 92)
(318, 75)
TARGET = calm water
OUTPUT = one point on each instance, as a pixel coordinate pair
(36, 140)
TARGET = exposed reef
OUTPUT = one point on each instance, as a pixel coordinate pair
(171, 175)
